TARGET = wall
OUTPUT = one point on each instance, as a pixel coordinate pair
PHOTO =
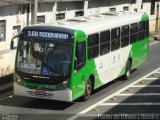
(147, 9)
(7, 60)
(13, 17)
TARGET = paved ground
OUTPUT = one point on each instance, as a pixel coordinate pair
(138, 100)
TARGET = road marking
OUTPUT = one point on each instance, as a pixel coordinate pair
(138, 94)
(113, 104)
(157, 72)
(154, 43)
(111, 96)
(142, 86)
(88, 115)
(150, 78)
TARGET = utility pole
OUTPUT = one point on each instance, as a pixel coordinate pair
(34, 11)
(28, 13)
(86, 8)
(157, 17)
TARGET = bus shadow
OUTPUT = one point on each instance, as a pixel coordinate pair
(122, 77)
(35, 103)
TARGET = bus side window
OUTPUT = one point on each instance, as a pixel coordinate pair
(124, 36)
(93, 46)
(80, 55)
(104, 42)
(141, 31)
(133, 33)
(147, 28)
(115, 39)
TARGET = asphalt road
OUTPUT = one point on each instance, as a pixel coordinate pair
(24, 108)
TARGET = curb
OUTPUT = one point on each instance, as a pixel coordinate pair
(6, 87)
(6, 79)
(6, 83)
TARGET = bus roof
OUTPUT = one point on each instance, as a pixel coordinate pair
(96, 23)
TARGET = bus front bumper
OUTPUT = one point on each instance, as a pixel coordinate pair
(61, 95)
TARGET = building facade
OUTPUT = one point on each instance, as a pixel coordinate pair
(18, 14)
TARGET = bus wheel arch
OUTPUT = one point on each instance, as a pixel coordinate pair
(89, 86)
(130, 59)
(92, 80)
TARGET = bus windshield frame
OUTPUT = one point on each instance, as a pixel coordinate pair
(46, 58)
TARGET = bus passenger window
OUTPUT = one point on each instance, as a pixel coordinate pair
(133, 33)
(147, 28)
(80, 54)
(125, 36)
(104, 42)
(115, 39)
(141, 31)
(93, 46)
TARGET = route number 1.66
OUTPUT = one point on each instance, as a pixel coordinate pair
(32, 33)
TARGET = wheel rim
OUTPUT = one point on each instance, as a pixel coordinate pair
(88, 89)
(128, 71)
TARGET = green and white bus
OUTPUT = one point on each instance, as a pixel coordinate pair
(70, 58)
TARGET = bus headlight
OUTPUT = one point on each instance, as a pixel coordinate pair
(64, 85)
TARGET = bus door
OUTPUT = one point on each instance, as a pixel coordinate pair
(80, 68)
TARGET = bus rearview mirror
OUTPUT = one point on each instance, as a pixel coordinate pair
(12, 42)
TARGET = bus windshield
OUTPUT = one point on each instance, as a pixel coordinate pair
(44, 58)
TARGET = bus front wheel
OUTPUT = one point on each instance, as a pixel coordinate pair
(128, 70)
(88, 90)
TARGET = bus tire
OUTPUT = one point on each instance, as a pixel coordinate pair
(88, 90)
(128, 70)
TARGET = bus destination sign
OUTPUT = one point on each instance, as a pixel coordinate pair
(47, 35)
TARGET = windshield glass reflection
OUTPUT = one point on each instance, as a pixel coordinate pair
(44, 58)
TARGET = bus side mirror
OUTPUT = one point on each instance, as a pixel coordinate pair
(12, 42)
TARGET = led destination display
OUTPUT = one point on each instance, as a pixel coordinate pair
(47, 35)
